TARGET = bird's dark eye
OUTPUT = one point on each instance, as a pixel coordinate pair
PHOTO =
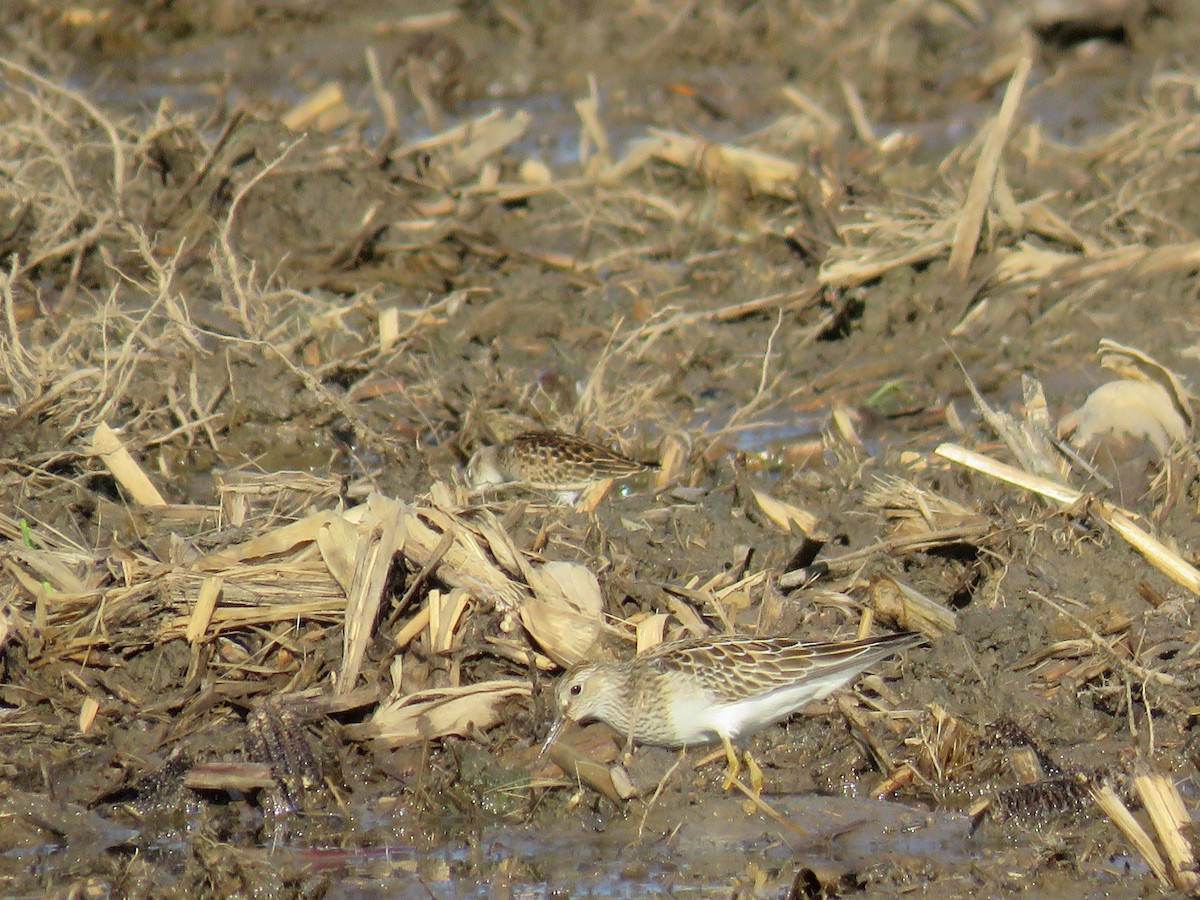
(575, 689)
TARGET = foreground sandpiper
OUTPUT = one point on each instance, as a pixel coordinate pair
(701, 690)
(549, 460)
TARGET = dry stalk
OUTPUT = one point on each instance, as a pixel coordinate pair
(1170, 819)
(966, 231)
(1112, 805)
(124, 468)
(630, 406)
(1031, 441)
(906, 608)
(863, 129)
(841, 270)
(914, 512)
(764, 172)
(382, 537)
(1155, 551)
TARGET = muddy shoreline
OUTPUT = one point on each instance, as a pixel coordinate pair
(271, 277)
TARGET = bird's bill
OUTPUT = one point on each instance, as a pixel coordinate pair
(560, 725)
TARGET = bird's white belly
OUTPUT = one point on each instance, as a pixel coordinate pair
(698, 720)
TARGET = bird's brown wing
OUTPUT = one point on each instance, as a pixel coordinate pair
(734, 668)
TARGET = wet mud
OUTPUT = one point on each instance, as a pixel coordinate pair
(273, 273)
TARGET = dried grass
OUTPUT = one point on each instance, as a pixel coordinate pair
(284, 578)
(1123, 522)
(169, 305)
(996, 242)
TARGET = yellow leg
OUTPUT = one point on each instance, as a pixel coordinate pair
(735, 764)
(734, 767)
(752, 793)
(755, 774)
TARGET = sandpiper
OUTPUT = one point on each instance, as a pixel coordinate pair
(700, 690)
(549, 460)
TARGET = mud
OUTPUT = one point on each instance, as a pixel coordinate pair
(220, 290)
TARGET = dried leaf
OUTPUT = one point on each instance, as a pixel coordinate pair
(436, 713)
(566, 611)
(382, 535)
(337, 540)
(785, 515)
(87, 714)
(280, 540)
(651, 631)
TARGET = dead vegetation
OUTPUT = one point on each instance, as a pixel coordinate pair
(243, 358)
